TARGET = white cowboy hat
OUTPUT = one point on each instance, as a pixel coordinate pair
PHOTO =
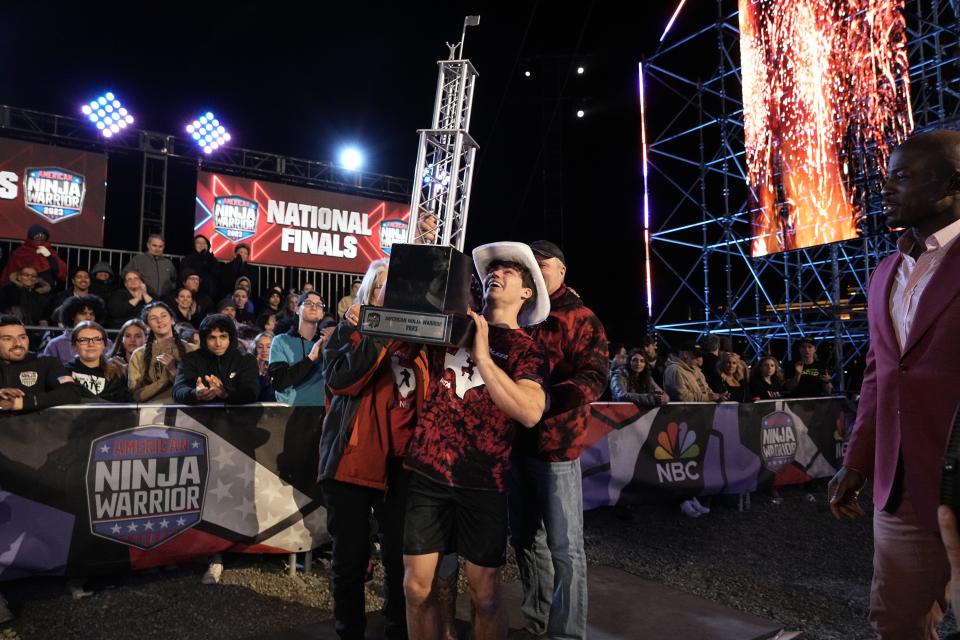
(522, 254)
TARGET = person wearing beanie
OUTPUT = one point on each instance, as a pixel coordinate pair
(38, 253)
(196, 283)
(203, 263)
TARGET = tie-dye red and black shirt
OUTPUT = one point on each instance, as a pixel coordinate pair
(462, 439)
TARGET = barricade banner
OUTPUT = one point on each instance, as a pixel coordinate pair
(101, 489)
(639, 454)
(109, 488)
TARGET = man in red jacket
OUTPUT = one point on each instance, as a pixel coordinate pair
(910, 388)
(546, 498)
(37, 252)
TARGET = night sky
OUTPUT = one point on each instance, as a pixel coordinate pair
(301, 79)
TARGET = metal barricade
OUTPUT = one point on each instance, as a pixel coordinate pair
(332, 285)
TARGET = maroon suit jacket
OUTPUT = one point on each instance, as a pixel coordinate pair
(908, 397)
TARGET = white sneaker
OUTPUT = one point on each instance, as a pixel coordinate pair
(699, 507)
(689, 510)
(5, 614)
(212, 575)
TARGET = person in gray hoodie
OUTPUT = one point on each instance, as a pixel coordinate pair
(157, 270)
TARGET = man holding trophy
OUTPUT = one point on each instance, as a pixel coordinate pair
(461, 446)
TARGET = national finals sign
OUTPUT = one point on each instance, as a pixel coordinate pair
(296, 226)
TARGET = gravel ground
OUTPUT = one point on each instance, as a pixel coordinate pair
(792, 563)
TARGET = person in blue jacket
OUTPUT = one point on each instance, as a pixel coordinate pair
(296, 357)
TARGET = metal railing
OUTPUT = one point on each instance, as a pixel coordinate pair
(331, 284)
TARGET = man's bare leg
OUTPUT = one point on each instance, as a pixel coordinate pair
(423, 620)
(489, 621)
(445, 587)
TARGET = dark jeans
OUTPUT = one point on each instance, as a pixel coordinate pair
(348, 521)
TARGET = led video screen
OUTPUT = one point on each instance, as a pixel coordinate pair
(64, 190)
(296, 226)
(825, 95)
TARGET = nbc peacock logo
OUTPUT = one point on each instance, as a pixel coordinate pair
(677, 452)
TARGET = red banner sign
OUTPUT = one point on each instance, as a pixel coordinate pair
(62, 189)
(296, 226)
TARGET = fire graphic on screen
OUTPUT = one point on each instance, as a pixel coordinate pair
(824, 83)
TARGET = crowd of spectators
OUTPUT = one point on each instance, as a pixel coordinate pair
(159, 309)
(712, 371)
(155, 307)
(205, 333)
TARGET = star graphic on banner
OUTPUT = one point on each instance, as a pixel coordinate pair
(246, 508)
(247, 476)
(181, 522)
(164, 523)
(148, 526)
(224, 458)
(115, 529)
(293, 538)
(222, 491)
(104, 449)
(132, 526)
(271, 492)
(195, 444)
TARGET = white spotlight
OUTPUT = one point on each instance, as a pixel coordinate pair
(351, 159)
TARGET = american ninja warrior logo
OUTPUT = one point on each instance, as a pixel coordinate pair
(778, 440)
(53, 193)
(392, 231)
(235, 217)
(146, 485)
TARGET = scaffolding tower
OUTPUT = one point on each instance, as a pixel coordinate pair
(700, 235)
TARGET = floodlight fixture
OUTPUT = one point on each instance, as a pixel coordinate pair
(208, 133)
(107, 114)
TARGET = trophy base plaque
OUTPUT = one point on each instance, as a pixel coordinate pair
(450, 330)
(427, 297)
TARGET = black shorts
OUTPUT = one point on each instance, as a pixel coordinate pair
(444, 519)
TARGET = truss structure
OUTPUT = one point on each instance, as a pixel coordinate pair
(158, 148)
(699, 218)
(445, 160)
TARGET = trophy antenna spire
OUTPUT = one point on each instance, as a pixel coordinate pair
(445, 158)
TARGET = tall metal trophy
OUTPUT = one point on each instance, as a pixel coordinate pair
(428, 289)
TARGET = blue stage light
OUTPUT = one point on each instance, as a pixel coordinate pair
(351, 158)
(208, 133)
(108, 114)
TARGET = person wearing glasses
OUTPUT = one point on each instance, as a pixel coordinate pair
(296, 362)
(99, 379)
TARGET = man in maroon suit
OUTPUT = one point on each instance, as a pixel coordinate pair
(911, 388)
